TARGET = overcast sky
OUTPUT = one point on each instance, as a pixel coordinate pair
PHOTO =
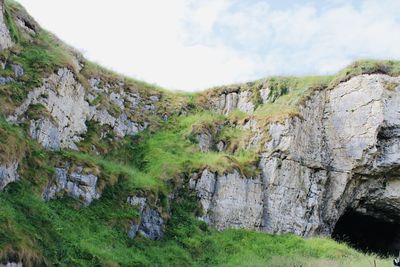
(195, 44)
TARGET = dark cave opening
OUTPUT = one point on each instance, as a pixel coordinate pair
(368, 234)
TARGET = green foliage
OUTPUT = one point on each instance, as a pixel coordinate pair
(41, 56)
(368, 66)
(12, 142)
(11, 7)
(62, 233)
(173, 151)
(288, 93)
(113, 171)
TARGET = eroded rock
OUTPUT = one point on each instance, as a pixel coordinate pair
(123, 126)
(5, 38)
(151, 224)
(75, 184)
(340, 153)
(230, 200)
(46, 133)
(64, 99)
(8, 174)
(205, 141)
(225, 103)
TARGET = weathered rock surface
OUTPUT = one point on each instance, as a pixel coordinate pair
(151, 224)
(8, 174)
(342, 152)
(5, 80)
(18, 70)
(64, 98)
(75, 184)
(205, 141)
(225, 103)
(46, 133)
(123, 126)
(5, 38)
(230, 200)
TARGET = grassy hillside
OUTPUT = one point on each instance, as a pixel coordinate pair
(59, 233)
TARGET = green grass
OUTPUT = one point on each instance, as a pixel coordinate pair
(12, 142)
(112, 171)
(173, 150)
(367, 66)
(287, 94)
(61, 233)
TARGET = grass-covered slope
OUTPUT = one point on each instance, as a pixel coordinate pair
(155, 163)
(61, 234)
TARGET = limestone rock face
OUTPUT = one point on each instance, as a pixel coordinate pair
(230, 200)
(75, 184)
(127, 102)
(228, 102)
(151, 225)
(124, 126)
(64, 98)
(205, 141)
(66, 103)
(5, 38)
(46, 133)
(316, 167)
(8, 174)
(341, 152)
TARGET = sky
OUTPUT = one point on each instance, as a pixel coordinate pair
(192, 45)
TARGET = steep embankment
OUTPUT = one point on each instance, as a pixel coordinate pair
(100, 169)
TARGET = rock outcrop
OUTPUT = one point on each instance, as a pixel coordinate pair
(68, 110)
(227, 102)
(151, 224)
(74, 183)
(340, 153)
(5, 38)
(205, 141)
(8, 174)
(230, 200)
(64, 98)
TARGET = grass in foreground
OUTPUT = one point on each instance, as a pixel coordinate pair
(60, 233)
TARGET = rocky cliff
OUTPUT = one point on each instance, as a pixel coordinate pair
(79, 143)
(339, 153)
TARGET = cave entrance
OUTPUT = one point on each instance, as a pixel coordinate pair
(368, 234)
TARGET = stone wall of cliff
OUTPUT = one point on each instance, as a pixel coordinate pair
(340, 152)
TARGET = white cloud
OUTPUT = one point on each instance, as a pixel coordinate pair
(190, 45)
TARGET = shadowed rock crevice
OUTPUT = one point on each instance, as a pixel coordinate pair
(368, 234)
